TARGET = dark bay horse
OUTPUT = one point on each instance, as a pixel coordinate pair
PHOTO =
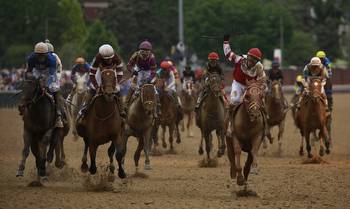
(39, 127)
(140, 121)
(247, 125)
(169, 116)
(276, 108)
(211, 116)
(188, 99)
(312, 117)
(102, 125)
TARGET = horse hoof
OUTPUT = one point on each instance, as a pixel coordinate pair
(328, 151)
(240, 180)
(111, 177)
(148, 167)
(84, 168)
(93, 170)
(321, 152)
(178, 140)
(219, 153)
(301, 152)
(19, 173)
(254, 171)
(309, 155)
(164, 145)
(233, 173)
(121, 173)
(44, 179)
(111, 169)
(200, 151)
(60, 164)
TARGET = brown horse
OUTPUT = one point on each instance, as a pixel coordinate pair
(312, 117)
(139, 123)
(169, 117)
(276, 108)
(188, 99)
(247, 126)
(211, 115)
(102, 125)
(39, 130)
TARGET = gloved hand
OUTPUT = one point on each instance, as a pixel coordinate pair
(135, 73)
(226, 37)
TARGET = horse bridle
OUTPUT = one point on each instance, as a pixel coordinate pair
(142, 97)
(254, 90)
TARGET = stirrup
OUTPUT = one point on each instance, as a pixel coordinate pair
(59, 122)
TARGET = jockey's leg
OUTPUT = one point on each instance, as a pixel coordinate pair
(235, 98)
(200, 99)
(88, 97)
(120, 105)
(71, 94)
(59, 108)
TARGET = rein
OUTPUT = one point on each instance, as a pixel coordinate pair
(106, 117)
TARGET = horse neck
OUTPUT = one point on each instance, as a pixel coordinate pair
(137, 110)
(40, 115)
(103, 107)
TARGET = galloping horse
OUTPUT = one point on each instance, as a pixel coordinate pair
(102, 125)
(276, 108)
(247, 125)
(139, 122)
(78, 99)
(39, 127)
(211, 115)
(312, 117)
(169, 116)
(188, 100)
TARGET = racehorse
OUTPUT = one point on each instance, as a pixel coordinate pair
(276, 108)
(102, 125)
(39, 127)
(188, 100)
(169, 116)
(78, 99)
(211, 115)
(247, 126)
(139, 122)
(312, 117)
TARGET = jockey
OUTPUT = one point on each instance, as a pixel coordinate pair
(187, 75)
(143, 65)
(211, 67)
(81, 67)
(58, 60)
(246, 68)
(328, 87)
(316, 69)
(43, 63)
(275, 72)
(167, 74)
(106, 58)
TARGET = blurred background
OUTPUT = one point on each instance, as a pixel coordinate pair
(184, 30)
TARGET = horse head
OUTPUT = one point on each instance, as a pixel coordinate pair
(160, 84)
(33, 87)
(214, 81)
(315, 87)
(108, 83)
(82, 82)
(276, 90)
(189, 87)
(252, 100)
(148, 97)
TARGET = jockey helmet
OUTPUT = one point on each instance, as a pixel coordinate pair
(213, 56)
(165, 65)
(255, 52)
(315, 61)
(106, 51)
(145, 45)
(321, 54)
(50, 47)
(41, 48)
(299, 78)
(80, 61)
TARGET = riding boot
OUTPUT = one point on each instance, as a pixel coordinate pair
(87, 100)
(59, 108)
(199, 101)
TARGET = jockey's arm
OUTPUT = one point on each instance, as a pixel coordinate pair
(73, 73)
(93, 70)
(172, 80)
(30, 66)
(52, 64)
(229, 54)
(261, 75)
(131, 62)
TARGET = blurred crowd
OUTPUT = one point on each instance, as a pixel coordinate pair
(11, 79)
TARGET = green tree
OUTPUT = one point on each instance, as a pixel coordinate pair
(98, 35)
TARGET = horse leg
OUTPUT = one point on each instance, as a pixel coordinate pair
(59, 162)
(231, 157)
(111, 151)
(200, 150)
(92, 152)
(221, 142)
(119, 154)
(84, 167)
(280, 134)
(254, 152)
(327, 139)
(178, 136)
(27, 138)
(247, 166)
(163, 136)
(308, 146)
(208, 143)
(322, 138)
(171, 134)
(237, 150)
(189, 124)
(301, 150)
(147, 144)
(42, 145)
(137, 153)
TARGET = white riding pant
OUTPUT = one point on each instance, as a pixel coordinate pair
(237, 91)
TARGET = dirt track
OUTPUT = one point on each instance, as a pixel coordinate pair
(176, 181)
